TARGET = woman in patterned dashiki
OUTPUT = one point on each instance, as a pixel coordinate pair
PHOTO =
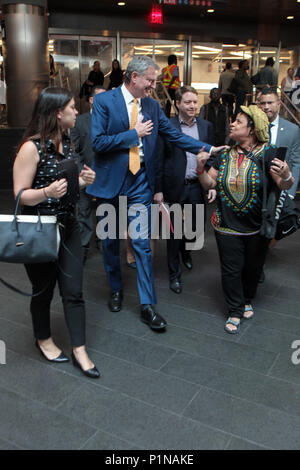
(237, 218)
(45, 144)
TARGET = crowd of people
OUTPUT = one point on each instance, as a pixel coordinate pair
(127, 146)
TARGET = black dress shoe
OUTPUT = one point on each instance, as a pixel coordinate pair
(149, 316)
(61, 358)
(187, 261)
(91, 373)
(115, 301)
(175, 286)
(132, 265)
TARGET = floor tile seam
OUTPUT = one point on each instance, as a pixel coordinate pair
(15, 323)
(221, 338)
(34, 401)
(147, 369)
(109, 434)
(173, 413)
(267, 407)
(248, 441)
(167, 361)
(12, 443)
(63, 372)
(278, 313)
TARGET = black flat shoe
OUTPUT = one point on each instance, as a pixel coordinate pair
(91, 373)
(132, 265)
(175, 286)
(152, 319)
(115, 301)
(61, 358)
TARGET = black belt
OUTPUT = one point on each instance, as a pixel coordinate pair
(191, 180)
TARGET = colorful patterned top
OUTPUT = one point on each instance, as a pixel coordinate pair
(240, 191)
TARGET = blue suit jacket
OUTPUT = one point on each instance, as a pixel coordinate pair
(111, 140)
(171, 161)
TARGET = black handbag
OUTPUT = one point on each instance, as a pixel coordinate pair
(28, 238)
(280, 217)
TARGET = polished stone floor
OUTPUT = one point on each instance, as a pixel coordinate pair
(192, 387)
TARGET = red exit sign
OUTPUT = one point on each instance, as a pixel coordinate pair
(156, 16)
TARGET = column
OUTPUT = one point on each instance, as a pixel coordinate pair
(26, 56)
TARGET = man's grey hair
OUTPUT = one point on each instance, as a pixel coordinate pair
(139, 64)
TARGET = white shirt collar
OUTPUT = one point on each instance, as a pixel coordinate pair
(128, 97)
(275, 122)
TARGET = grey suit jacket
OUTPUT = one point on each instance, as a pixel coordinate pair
(80, 136)
(289, 136)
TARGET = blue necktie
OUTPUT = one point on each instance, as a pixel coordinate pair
(270, 135)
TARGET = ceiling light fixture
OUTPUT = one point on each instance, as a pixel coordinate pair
(210, 11)
(290, 17)
(121, 4)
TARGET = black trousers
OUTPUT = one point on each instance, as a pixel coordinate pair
(68, 272)
(171, 92)
(192, 194)
(242, 259)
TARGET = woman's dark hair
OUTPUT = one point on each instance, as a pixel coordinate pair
(112, 65)
(44, 123)
(270, 62)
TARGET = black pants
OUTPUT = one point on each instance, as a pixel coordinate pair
(68, 273)
(192, 194)
(242, 259)
(228, 100)
(171, 92)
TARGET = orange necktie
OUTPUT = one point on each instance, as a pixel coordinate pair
(134, 153)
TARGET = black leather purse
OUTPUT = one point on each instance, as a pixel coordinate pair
(28, 238)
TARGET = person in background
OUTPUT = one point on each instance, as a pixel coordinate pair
(45, 143)
(96, 76)
(244, 85)
(116, 75)
(225, 80)
(216, 113)
(267, 76)
(283, 134)
(80, 136)
(237, 220)
(176, 180)
(170, 78)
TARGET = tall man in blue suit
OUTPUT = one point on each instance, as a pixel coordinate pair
(124, 128)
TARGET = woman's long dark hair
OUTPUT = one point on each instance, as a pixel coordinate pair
(44, 123)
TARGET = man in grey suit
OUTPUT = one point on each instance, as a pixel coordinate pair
(283, 134)
(80, 136)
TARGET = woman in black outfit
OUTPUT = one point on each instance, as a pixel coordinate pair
(116, 76)
(44, 145)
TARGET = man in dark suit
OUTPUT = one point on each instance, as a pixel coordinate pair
(283, 134)
(176, 177)
(80, 136)
(124, 129)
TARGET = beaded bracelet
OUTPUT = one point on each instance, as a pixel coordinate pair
(200, 172)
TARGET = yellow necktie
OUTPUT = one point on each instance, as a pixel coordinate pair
(134, 153)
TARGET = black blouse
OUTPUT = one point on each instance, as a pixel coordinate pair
(47, 172)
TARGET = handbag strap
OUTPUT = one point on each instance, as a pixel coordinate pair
(19, 291)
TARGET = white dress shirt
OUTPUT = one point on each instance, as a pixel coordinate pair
(274, 130)
(129, 102)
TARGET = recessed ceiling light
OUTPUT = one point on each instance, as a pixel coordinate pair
(290, 17)
(121, 4)
(210, 11)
